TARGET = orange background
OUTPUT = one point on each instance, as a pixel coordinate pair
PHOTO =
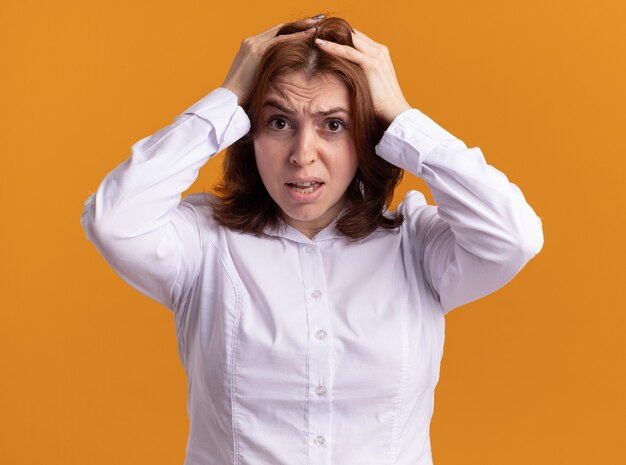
(534, 374)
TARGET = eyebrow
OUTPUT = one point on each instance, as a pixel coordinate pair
(278, 105)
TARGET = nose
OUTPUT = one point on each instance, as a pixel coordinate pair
(304, 148)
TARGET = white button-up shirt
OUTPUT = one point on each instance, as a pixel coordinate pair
(310, 351)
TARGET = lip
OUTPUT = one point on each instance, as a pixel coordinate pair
(302, 197)
(310, 179)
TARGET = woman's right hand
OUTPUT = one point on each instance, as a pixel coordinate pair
(243, 69)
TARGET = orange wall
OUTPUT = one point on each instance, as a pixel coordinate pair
(532, 374)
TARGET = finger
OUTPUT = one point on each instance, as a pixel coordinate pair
(363, 43)
(315, 19)
(266, 35)
(284, 37)
(343, 51)
(369, 46)
(266, 42)
(311, 22)
(364, 38)
(271, 30)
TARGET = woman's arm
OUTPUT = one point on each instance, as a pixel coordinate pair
(482, 231)
(136, 218)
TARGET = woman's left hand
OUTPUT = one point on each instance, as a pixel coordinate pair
(374, 58)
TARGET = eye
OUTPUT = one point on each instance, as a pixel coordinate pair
(277, 123)
(336, 125)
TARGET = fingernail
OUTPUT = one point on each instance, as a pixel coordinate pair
(320, 41)
(317, 17)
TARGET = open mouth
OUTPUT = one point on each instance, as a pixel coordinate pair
(305, 187)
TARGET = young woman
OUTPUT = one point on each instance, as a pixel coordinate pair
(309, 317)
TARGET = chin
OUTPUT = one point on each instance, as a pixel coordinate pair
(304, 214)
(307, 213)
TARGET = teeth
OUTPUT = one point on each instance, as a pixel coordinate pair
(304, 187)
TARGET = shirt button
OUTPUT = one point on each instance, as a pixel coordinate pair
(309, 249)
(320, 391)
(318, 440)
(320, 334)
(316, 293)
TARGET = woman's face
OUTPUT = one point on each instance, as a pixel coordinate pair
(305, 150)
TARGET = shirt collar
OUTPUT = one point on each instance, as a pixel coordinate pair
(287, 231)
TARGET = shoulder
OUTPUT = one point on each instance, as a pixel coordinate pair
(418, 218)
(196, 203)
(197, 200)
(195, 209)
(417, 213)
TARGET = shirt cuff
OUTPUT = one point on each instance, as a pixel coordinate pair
(411, 137)
(221, 109)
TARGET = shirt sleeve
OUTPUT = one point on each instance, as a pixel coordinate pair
(136, 218)
(482, 232)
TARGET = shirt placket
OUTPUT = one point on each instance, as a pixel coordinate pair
(320, 338)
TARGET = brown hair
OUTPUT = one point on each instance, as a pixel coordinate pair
(242, 202)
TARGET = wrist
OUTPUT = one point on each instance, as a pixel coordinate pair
(235, 90)
(393, 110)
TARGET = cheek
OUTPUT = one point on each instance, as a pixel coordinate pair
(260, 151)
(349, 162)
(265, 159)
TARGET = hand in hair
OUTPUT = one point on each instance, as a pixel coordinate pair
(374, 58)
(242, 71)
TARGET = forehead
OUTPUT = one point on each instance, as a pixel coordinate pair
(299, 92)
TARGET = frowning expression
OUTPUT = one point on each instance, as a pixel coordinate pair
(304, 148)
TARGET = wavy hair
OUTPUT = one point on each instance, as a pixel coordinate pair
(241, 201)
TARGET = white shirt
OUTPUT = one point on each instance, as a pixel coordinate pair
(310, 351)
